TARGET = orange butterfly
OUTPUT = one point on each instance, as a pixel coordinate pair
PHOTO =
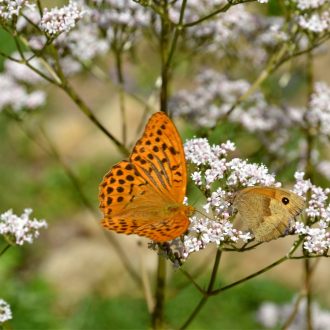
(143, 194)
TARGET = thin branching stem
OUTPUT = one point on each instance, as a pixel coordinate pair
(192, 281)
(208, 292)
(158, 313)
(40, 8)
(242, 249)
(74, 96)
(145, 278)
(303, 293)
(306, 51)
(287, 257)
(101, 75)
(310, 138)
(176, 34)
(58, 64)
(120, 77)
(53, 153)
(163, 50)
(5, 249)
(221, 10)
(11, 58)
(269, 69)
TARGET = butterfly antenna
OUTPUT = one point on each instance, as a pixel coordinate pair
(197, 200)
(199, 211)
(203, 215)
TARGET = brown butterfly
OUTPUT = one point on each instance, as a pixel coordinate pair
(267, 210)
(143, 194)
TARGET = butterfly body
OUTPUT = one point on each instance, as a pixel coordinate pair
(144, 193)
(267, 210)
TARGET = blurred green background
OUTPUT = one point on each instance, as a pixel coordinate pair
(71, 277)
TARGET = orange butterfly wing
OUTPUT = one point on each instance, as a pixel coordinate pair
(144, 194)
(159, 157)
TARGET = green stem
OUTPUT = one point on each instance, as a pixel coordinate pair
(5, 249)
(310, 137)
(121, 94)
(68, 89)
(11, 58)
(243, 249)
(288, 256)
(176, 34)
(251, 276)
(163, 49)
(196, 311)
(208, 293)
(158, 314)
(59, 67)
(75, 183)
(144, 277)
(192, 280)
(310, 134)
(7, 325)
(294, 312)
(310, 257)
(100, 74)
(306, 51)
(262, 77)
(40, 8)
(158, 12)
(221, 10)
(307, 285)
(215, 269)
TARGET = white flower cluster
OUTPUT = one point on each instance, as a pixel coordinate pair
(124, 12)
(318, 114)
(270, 315)
(309, 4)
(323, 167)
(213, 33)
(61, 20)
(273, 34)
(21, 72)
(14, 94)
(120, 20)
(18, 230)
(79, 45)
(315, 23)
(84, 42)
(33, 16)
(317, 240)
(8, 8)
(206, 231)
(214, 96)
(237, 172)
(5, 311)
(212, 166)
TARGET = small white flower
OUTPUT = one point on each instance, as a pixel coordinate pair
(61, 20)
(18, 230)
(5, 311)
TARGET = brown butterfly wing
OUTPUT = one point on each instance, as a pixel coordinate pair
(159, 158)
(295, 205)
(263, 210)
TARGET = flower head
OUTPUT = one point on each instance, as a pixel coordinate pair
(18, 230)
(5, 311)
